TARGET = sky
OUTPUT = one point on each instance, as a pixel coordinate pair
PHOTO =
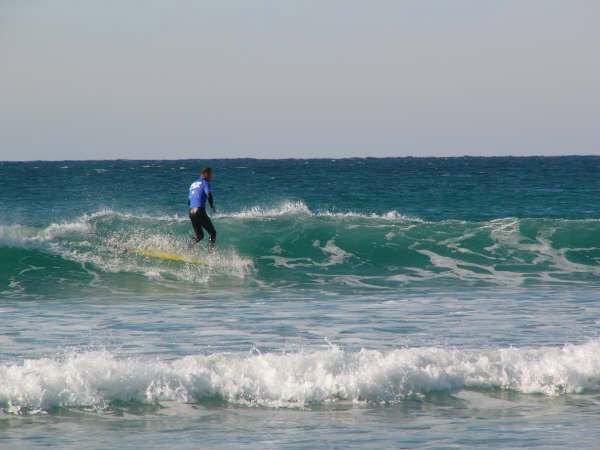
(151, 79)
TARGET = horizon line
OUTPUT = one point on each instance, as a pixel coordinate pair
(305, 159)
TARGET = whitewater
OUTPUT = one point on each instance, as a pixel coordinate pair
(391, 302)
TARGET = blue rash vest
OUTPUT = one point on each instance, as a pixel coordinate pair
(199, 191)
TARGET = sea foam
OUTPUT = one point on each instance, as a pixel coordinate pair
(313, 377)
(300, 208)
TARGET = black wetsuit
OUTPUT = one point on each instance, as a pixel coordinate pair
(201, 220)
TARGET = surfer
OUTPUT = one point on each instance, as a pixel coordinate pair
(199, 194)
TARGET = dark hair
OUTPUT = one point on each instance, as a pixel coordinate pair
(205, 171)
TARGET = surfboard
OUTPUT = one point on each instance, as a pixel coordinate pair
(165, 255)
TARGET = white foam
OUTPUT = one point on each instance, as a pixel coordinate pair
(107, 212)
(296, 379)
(336, 254)
(16, 234)
(393, 216)
(461, 270)
(27, 235)
(289, 263)
(115, 259)
(300, 208)
(14, 288)
(259, 211)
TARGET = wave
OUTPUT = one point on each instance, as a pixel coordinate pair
(90, 255)
(300, 208)
(290, 246)
(99, 379)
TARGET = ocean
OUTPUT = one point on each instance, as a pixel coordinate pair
(367, 302)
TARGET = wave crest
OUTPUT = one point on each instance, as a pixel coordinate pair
(97, 379)
(291, 245)
(300, 208)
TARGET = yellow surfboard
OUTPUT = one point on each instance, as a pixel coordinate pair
(165, 255)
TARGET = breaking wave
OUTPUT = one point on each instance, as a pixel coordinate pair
(291, 246)
(99, 379)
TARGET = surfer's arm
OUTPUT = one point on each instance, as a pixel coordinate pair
(210, 201)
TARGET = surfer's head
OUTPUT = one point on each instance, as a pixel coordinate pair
(206, 173)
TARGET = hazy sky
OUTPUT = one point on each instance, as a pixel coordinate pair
(266, 79)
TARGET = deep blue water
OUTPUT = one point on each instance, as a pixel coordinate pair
(371, 302)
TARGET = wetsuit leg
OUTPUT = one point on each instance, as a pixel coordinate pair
(196, 218)
(201, 220)
(208, 226)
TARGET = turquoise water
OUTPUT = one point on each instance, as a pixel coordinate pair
(357, 302)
